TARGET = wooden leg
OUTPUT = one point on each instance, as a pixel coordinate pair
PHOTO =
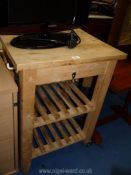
(118, 112)
(96, 137)
(122, 112)
(27, 98)
(107, 119)
(127, 101)
(99, 94)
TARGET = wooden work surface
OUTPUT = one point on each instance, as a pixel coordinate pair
(89, 50)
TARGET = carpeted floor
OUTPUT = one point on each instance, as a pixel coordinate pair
(112, 157)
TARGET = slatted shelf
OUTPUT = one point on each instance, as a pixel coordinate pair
(59, 101)
(54, 136)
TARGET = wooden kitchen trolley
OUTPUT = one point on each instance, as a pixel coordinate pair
(50, 100)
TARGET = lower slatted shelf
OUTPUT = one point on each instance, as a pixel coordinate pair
(54, 136)
(60, 101)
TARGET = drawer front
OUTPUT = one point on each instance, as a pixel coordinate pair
(6, 156)
(6, 117)
(62, 73)
(7, 145)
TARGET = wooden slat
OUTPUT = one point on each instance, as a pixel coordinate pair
(79, 93)
(70, 130)
(64, 134)
(46, 136)
(57, 100)
(52, 108)
(41, 109)
(77, 127)
(65, 97)
(55, 135)
(68, 90)
(38, 141)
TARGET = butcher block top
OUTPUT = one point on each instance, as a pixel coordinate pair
(90, 49)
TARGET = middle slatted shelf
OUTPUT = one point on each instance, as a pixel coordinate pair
(59, 101)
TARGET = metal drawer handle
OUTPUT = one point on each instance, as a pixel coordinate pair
(6, 62)
(73, 77)
(9, 67)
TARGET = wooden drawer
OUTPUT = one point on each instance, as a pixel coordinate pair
(8, 122)
(56, 74)
(6, 117)
(7, 160)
